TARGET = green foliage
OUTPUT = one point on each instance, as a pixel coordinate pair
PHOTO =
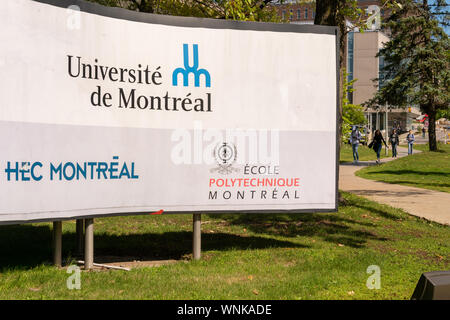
(240, 10)
(247, 10)
(443, 113)
(203, 9)
(352, 114)
(350, 10)
(250, 10)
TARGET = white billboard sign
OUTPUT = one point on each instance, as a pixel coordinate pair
(106, 111)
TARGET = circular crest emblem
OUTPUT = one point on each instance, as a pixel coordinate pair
(225, 153)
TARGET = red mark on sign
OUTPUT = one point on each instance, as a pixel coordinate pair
(157, 212)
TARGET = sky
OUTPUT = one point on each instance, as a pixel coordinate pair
(444, 9)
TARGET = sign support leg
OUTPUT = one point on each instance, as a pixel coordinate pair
(387, 131)
(80, 235)
(197, 236)
(57, 243)
(89, 244)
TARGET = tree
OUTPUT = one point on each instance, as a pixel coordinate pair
(352, 114)
(417, 61)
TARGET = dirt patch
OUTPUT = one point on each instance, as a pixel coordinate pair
(382, 249)
(291, 263)
(128, 262)
(432, 257)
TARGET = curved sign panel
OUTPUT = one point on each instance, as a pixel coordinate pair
(105, 111)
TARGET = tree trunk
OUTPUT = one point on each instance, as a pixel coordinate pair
(432, 130)
(328, 13)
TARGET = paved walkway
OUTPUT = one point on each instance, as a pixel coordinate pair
(428, 204)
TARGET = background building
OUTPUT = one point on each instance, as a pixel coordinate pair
(364, 66)
(296, 13)
(362, 63)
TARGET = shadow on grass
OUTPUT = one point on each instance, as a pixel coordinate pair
(27, 246)
(412, 172)
(365, 163)
(428, 150)
(390, 193)
(417, 184)
(24, 245)
(379, 212)
(332, 228)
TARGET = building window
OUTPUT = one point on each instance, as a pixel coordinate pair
(298, 14)
(382, 74)
(283, 14)
(350, 50)
(313, 14)
(290, 14)
(306, 13)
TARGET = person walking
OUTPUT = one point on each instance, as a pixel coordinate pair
(410, 139)
(423, 132)
(377, 144)
(394, 142)
(355, 138)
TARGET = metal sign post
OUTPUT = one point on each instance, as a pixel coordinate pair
(89, 244)
(386, 130)
(197, 236)
(80, 235)
(57, 243)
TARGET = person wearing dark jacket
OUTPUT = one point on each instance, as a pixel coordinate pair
(394, 142)
(377, 144)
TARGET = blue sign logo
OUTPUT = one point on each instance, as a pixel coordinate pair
(188, 69)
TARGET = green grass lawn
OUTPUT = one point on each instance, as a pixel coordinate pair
(303, 256)
(365, 154)
(429, 170)
(424, 147)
